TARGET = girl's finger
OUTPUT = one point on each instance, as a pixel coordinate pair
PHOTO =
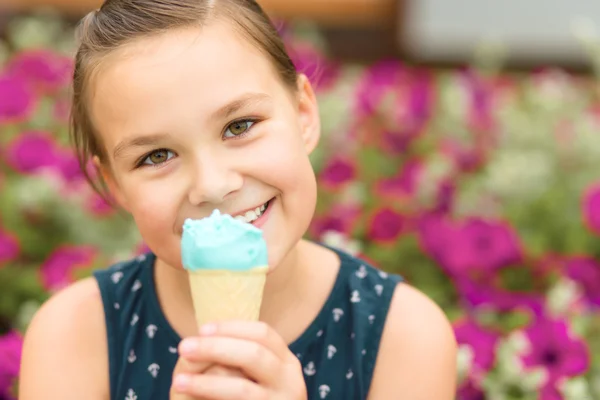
(212, 387)
(250, 330)
(252, 358)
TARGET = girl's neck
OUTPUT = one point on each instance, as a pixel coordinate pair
(294, 293)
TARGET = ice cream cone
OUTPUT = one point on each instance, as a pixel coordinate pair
(221, 295)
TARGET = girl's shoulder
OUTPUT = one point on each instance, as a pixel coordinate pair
(67, 337)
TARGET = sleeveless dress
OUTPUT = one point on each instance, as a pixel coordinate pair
(337, 351)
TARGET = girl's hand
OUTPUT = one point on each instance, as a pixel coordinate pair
(185, 367)
(270, 370)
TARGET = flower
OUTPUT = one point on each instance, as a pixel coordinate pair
(591, 208)
(9, 247)
(45, 70)
(341, 218)
(403, 184)
(586, 272)
(31, 151)
(322, 73)
(57, 270)
(472, 246)
(16, 99)
(337, 172)
(386, 225)
(485, 294)
(482, 342)
(554, 347)
(10, 359)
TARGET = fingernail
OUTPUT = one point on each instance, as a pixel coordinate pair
(188, 347)
(208, 329)
(182, 381)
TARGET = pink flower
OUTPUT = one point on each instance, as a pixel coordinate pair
(402, 184)
(322, 73)
(386, 225)
(474, 245)
(591, 208)
(481, 341)
(486, 294)
(17, 101)
(46, 70)
(554, 347)
(11, 345)
(586, 272)
(57, 271)
(32, 151)
(470, 391)
(341, 218)
(337, 172)
(9, 247)
(98, 206)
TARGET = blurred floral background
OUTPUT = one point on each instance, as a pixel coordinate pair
(481, 188)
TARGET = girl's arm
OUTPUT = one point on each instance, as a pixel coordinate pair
(65, 350)
(417, 356)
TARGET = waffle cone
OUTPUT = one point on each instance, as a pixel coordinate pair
(220, 295)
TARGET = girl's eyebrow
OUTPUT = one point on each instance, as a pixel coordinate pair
(224, 112)
(139, 141)
(239, 103)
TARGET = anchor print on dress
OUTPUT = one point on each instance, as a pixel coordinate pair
(378, 289)
(153, 369)
(116, 277)
(117, 306)
(320, 333)
(137, 285)
(324, 391)
(310, 370)
(173, 350)
(361, 272)
(131, 357)
(134, 319)
(383, 274)
(355, 298)
(151, 330)
(338, 313)
(371, 319)
(331, 350)
(131, 395)
(349, 374)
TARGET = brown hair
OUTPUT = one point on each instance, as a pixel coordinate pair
(120, 22)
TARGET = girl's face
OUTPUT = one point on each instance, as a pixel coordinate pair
(197, 120)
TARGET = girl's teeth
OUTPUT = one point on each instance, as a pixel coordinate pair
(250, 215)
(241, 218)
(263, 207)
(257, 211)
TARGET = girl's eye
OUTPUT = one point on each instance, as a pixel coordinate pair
(158, 157)
(238, 128)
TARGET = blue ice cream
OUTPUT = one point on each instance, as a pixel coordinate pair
(220, 242)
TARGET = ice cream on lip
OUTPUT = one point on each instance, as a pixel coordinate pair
(220, 242)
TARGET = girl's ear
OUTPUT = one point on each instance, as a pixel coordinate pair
(111, 183)
(308, 109)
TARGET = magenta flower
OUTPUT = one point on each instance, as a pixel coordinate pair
(482, 341)
(341, 218)
(378, 80)
(473, 246)
(48, 71)
(556, 349)
(586, 272)
(322, 73)
(481, 101)
(486, 294)
(337, 172)
(386, 225)
(98, 206)
(403, 184)
(11, 345)
(469, 391)
(32, 151)
(591, 208)
(17, 101)
(9, 247)
(57, 271)
(68, 165)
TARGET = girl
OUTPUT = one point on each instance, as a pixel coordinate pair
(186, 106)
